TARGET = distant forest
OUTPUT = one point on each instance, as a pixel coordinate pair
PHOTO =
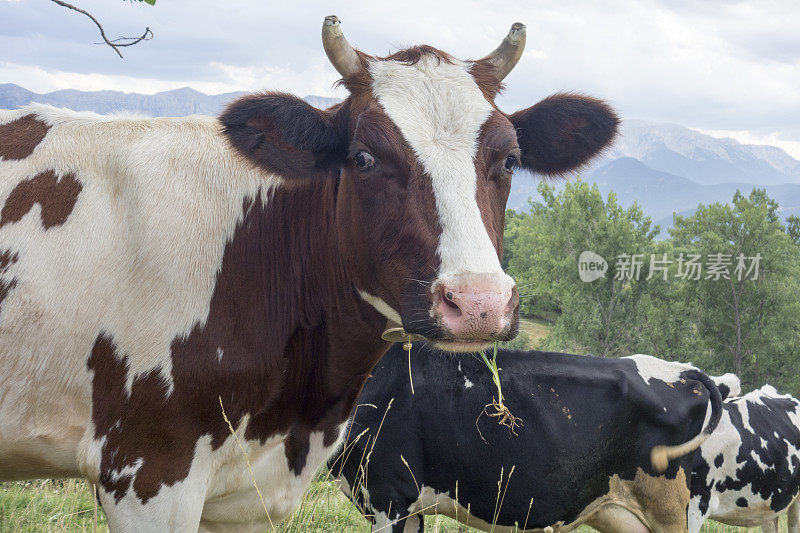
(720, 292)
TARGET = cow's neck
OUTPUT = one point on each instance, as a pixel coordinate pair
(287, 332)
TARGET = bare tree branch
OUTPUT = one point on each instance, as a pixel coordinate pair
(115, 44)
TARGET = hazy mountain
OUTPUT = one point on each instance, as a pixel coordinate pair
(175, 103)
(702, 158)
(178, 102)
(660, 193)
(666, 168)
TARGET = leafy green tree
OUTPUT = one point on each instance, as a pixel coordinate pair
(521, 239)
(515, 223)
(597, 316)
(793, 228)
(667, 315)
(748, 317)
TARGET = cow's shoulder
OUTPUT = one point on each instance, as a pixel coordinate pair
(768, 414)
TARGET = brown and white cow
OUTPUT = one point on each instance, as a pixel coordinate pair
(155, 271)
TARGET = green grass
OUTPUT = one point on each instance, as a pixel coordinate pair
(48, 505)
(66, 506)
(534, 329)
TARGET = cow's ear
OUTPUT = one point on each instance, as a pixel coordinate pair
(285, 135)
(563, 132)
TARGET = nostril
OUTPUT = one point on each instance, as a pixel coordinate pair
(447, 299)
(513, 302)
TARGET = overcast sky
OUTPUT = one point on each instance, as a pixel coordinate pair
(729, 68)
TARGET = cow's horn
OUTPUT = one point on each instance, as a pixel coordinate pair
(340, 52)
(508, 53)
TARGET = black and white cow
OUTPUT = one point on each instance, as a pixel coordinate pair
(748, 471)
(728, 384)
(582, 455)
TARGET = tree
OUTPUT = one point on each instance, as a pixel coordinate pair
(748, 321)
(120, 42)
(668, 316)
(521, 240)
(793, 228)
(546, 245)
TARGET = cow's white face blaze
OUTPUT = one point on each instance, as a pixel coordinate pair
(439, 109)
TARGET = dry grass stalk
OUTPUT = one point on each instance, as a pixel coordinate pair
(530, 506)
(247, 460)
(94, 504)
(407, 347)
(412, 473)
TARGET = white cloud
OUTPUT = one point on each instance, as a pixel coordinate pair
(42, 80)
(318, 80)
(714, 65)
(231, 78)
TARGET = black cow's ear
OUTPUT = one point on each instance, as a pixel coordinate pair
(285, 135)
(563, 132)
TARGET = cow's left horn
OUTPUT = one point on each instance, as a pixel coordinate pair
(341, 53)
(505, 56)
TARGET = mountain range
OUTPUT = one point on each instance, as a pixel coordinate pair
(175, 103)
(666, 168)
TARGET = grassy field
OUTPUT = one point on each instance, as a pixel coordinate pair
(533, 328)
(66, 506)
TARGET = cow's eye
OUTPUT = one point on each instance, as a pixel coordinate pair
(364, 160)
(510, 163)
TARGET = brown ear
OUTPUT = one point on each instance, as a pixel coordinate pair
(563, 132)
(285, 135)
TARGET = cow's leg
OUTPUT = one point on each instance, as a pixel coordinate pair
(402, 523)
(414, 524)
(395, 516)
(696, 517)
(382, 521)
(174, 509)
(794, 516)
(770, 526)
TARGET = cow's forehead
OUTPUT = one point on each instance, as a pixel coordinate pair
(436, 103)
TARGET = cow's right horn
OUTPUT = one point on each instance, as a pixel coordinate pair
(341, 53)
(506, 56)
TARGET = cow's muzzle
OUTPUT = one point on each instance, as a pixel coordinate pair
(473, 310)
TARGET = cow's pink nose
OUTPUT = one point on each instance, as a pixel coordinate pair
(476, 307)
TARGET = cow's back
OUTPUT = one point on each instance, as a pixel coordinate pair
(108, 225)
